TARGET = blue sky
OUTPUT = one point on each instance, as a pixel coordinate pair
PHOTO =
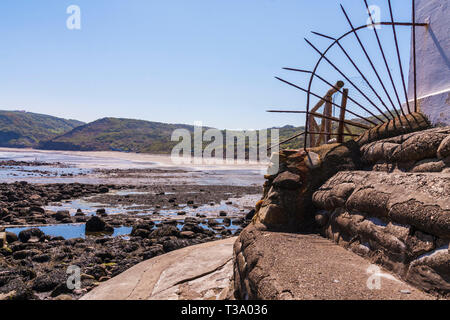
(175, 61)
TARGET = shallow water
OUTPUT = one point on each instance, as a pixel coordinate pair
(23, 172)
(88, 208)
(238, 207)
(86, 162)
(70, 231)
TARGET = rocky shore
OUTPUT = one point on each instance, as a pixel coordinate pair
(33, 264)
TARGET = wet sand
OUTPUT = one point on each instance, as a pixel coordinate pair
(146, 205)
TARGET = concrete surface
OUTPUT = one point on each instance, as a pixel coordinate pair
(200, 272)
(273, 265)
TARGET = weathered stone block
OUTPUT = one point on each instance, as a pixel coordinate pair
(444, 148)
(287, 180)
(420, 146)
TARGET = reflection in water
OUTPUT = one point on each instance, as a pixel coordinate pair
(70, 231)
(232, 207)
(85, 163)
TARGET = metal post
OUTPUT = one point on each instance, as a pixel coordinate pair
(342, 116)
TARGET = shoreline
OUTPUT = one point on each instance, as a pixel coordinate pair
(147, 159)
(162, 209)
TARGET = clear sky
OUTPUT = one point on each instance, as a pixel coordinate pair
(175, 61)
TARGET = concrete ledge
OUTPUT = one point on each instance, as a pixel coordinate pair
(196, 272)
(274, 266)
(398, 220)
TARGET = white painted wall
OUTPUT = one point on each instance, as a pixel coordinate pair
(433, 60)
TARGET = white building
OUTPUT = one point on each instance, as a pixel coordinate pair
(433, 61)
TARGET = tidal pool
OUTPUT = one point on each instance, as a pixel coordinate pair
(70, 231)
(232, 207)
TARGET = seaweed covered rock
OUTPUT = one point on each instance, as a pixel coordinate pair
(96, 224)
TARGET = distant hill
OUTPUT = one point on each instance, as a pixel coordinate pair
(24, 129)
(19, 129)
(128, 135)
(114, 134)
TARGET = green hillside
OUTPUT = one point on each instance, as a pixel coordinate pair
(20, 129)
(108, 134)
(128, 135)
(113, 134)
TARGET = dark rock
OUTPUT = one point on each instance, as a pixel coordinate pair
(60, 290)
(287, 180)
(143, 233)
(48, 282)
(165, 231)
(61, 215)
(16, 289)
(37, 209)
(101, 211)
(41, 258)
(96, 224)
(226, 232)
(153, 251)
(105, 255)
(212, 222)
(187, 234)
(11, 237)
(103, 190)
(19, 255)
(174, 244)
(26, 235)
(72, 242)
(145, 225)
(193, 227)
(190, 220)
(250, 214)
(239, 221)
(66, 220)
(97, 271)
(79, 213)
(169, 222)
(130, 247)
(102, 240)
(6, 252)
(222, 214)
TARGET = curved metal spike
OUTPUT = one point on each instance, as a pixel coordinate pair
(331, 85)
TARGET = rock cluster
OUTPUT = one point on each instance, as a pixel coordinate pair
(22, 203)
(34, 265)
(423, 151)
